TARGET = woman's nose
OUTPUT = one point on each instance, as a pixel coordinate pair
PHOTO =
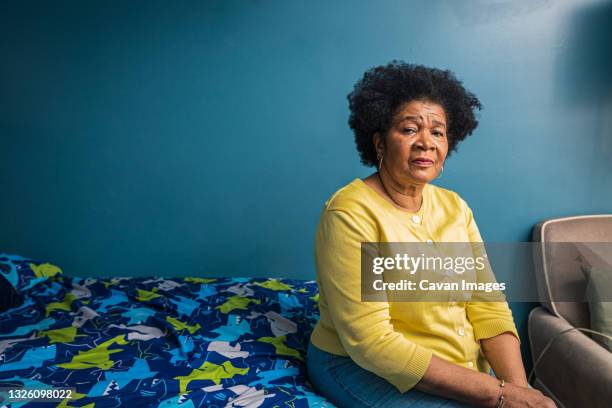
(425, 140)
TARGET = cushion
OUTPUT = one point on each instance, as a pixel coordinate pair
(599, 291)
(24, 273)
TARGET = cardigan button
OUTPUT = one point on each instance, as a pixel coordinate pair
(470, 364)
(429, 241)
(416, 219)
(461, 332)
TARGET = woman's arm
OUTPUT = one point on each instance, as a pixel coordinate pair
(364, 328)
(494, 327)
(459, 383)
(504, 354)
(450, 380)
(492, 320)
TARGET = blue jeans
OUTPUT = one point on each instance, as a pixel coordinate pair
(345, 384)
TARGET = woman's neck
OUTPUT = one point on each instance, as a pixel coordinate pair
(406, 197)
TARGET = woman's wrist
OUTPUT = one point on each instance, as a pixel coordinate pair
(492, 392)
(523, 384)
(501, 396)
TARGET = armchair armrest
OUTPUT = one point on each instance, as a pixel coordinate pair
(575, 370)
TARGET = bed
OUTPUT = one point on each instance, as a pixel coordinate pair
(155, 341)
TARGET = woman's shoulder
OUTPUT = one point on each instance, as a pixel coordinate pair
(442, 193)
(445, 198)
(349, 198)
(351, 209)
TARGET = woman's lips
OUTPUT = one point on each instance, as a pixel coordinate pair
(423, 162)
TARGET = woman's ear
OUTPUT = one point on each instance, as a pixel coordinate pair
(378, 144)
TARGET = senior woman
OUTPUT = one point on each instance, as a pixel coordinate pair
(407, 119)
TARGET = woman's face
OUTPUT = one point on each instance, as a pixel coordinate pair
(416, 144)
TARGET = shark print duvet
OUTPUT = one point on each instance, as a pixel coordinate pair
(160, 342)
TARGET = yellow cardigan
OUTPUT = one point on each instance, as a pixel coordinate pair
(396, 340)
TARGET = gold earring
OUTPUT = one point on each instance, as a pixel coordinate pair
(380, 160)
(441, 172)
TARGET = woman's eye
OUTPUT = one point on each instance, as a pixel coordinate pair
(439, 134)
(409, 130)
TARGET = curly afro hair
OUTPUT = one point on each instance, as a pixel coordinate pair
(383, 90)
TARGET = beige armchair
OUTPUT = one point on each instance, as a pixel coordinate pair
(575, 370)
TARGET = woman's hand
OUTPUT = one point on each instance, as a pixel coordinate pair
(522, 397)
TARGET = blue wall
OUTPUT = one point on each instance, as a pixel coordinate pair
(203, 138)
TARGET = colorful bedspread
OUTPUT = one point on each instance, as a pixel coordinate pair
(155, 342)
